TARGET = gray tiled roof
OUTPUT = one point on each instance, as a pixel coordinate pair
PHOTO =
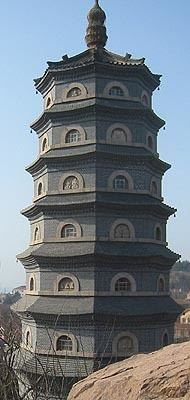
(134, 249)
(101, 151)
(135, 109)
(54, 305)
(92, 55)
(112, 305)
(99, 55)
(100, 199)
(101, 148)
(110, 248)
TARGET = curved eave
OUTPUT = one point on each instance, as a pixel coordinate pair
(26, 259)
(105, 200)
(33, 210)
(34, 254)
(135, 252)
(42, 83)
(153, 78)
(37, 165)
(159, 209)
(99, 151)
(106, 106)
(131, 153)
(162, 166)
(112, 305)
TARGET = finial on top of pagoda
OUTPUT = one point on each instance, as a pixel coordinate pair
(96, 31)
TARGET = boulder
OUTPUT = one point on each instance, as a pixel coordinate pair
(163, 374)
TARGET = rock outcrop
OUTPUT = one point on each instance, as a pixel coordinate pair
(164, 374)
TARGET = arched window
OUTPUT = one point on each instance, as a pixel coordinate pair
(120, 182)
(40, 188)
(36, 234)
(161, 285)
(71, 180)
(158, 233)
(116, 91)
(165, 339)
(66, 284)
(123, 285)
(73, 136)
(31, 284)
(28, 339)
(150, 142)
(68, 230)
(123, 282)
(154, 188)
(48, 102)
(125, 346)
(118, 136)
(74, 92)
(145, 100)
(44, 145)
(64, 343)
(71, 183)
(122, 231)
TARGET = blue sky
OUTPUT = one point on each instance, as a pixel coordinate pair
(32, 32)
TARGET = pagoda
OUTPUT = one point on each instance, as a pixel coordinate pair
(97, 267)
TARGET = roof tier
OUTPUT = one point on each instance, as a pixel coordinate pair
(98, 202)
(99, 58)
(99, 153)
(134, 110)
(134, 252)
(128, 306)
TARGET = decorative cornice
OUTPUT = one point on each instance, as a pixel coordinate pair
(100, 200)
(136, 251)
(126, 306)
(111, 107)
(98, 152)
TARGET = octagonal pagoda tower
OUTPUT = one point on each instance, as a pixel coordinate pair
(97, 268)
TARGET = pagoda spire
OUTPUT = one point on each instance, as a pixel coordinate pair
(96, 31)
